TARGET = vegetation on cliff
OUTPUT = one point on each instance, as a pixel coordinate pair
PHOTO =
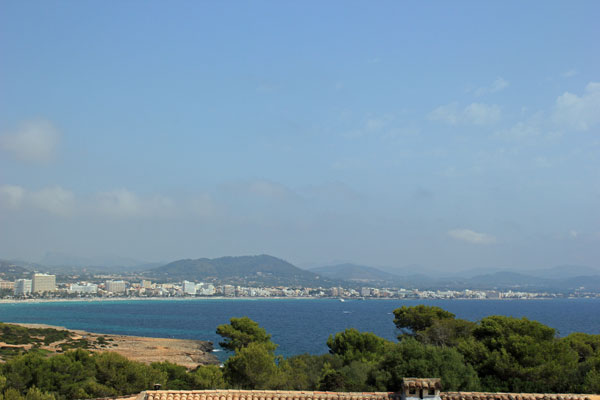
(494, 354)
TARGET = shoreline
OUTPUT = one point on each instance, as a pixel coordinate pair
(122, 299)
(125, 299)
(189, 353)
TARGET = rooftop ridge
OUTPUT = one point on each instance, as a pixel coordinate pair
(238, 394)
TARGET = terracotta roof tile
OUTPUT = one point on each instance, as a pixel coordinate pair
(509, 396)
(307, 395)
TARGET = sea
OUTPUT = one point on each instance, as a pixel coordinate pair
(296, 325)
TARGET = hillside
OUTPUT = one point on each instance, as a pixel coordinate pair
(244, 270)
(10, 272)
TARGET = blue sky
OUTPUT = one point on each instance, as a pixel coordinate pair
(453, 135)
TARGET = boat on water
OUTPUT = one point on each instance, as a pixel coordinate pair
(342, 300)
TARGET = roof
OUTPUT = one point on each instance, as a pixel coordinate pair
(309, 395)
(422, 383)
(510, 396)
(263, 395)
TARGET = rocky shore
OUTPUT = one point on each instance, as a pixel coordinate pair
(189, 353)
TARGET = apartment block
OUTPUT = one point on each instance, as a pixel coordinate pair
(22, 287)
(43, 283)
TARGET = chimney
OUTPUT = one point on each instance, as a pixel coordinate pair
(421, 388)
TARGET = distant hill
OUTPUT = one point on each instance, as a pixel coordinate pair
(565, 272)
(353, 272)
(507, 279)
(244, 270)
(9, 271)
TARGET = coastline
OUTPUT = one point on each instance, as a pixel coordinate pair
(122, 299)
(186, 352)
(126, 299)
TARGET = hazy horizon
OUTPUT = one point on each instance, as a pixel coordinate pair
(447, 135)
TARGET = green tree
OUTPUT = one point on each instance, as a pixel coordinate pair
(177, 375)
(446, 332)
(303, 372)
(587, 346)
(588, 368)
(411, 320)
(12, 394)
(253, 367)
(412, 358)
(124, 376)
(352, 345)
(36, 394)
(512, 354)
(241, 332)
(208, 377)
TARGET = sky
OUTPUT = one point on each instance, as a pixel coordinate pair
(445, 135)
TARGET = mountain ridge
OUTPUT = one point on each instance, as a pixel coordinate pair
(258, 269)
(354, 272)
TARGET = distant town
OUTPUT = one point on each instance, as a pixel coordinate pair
(45, 286)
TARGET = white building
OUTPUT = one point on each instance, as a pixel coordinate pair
(22, 287)
(43, 283)
(146, 284)
(83, 288)
(204, 289)
(189, 288)
(228, 290)
(115, 286)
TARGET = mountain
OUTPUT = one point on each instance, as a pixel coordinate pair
(244, 270)
(353, 272)
(508, 280)
(586, 283)
(9, 271)
(565, 272)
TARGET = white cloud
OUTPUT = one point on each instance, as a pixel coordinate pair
(579, 112)
(469, 236)
(54, 200)
(498, 85)
(34, 141)
(263, 189)
(124, 203)
(449, 113)
(481, 114)
(573, 234)
(120, 203)
(203, 206)
(571, 112)
(11, 196)
(531, 127)
(374, 124)
(570, 73)
(473, 114)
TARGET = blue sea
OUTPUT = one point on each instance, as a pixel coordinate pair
(297, 325)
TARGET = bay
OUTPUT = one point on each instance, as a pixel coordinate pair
(297, 325)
